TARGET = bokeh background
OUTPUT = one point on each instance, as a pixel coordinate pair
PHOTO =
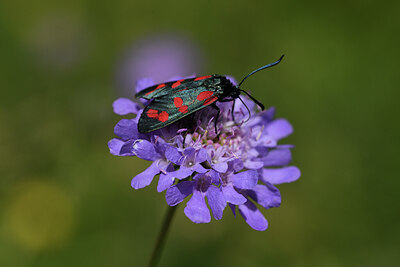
(65, 201)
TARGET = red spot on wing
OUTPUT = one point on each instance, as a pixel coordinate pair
(183, 109)
(210, 100)
(178, 102)
(153, 113)
(150, 92)
(163, 117)
(158, 87)
(204, 95)
(202, 78)
(177, 83)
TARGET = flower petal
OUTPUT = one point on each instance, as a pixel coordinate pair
(189, 153)
(201, 155)
(245, 180)
(267, 196)
(126, 129)
(221, 167)
(196, 209)
(165, 166)
(198, 168)
(143, 84)
(282, 175)
(279, 128)
(232, 196)
(253, 216)
(237, 165)
(268, 141)
(277, 157)
(145, 150)
(215, 177)
(216, 201)
(165, 180)
(144, 179)
(181, 173)
(124, 106)
(177, 193)
(115, 146)
(268, 115)
(127, 148)
(253, 164)
(173, 155)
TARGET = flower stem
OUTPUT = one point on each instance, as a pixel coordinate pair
(155, 256)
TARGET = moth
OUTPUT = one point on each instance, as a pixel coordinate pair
(172, 101)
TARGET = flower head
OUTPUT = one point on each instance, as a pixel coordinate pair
(238, 167)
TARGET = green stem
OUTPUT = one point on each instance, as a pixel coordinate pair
(155, 256)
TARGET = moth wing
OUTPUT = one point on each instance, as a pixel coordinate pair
(150, 92)
(169, 108)
(168, 87)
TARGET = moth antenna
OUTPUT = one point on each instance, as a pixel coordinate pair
(262, 68)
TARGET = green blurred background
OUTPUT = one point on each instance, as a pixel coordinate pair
(65, 201)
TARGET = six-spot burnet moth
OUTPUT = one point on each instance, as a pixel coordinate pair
(172, 101)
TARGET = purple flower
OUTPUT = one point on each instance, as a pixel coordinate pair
(239, 168)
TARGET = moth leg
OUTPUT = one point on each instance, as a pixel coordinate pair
(233, 112)
(216, 120)
(233, 107)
